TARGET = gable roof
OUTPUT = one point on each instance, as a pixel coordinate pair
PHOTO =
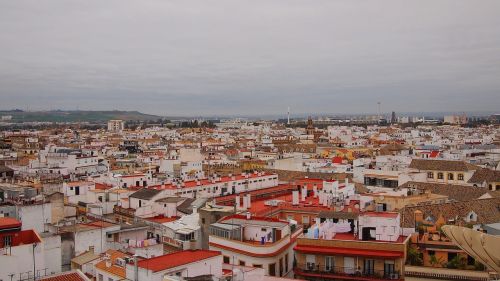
(487, 210)
(441, 165)
(145, 193)
(454, 192)
(485, 175)
(176, 259)
(185, 207)
(67, 276)
(113, 269)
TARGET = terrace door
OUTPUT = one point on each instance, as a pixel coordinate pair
(349, 265)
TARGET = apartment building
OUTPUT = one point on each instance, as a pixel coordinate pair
(349, 246)
(260, 242)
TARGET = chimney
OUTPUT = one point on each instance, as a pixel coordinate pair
(304, 192)
(315, 190)
(195, 209)
(346, 181)
(108, 262)
(419, 217)
(295, 197)
(91, 249)
(237, 201)
(321, 197)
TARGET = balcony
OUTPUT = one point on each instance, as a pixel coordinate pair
(344, 273)
(254, 248)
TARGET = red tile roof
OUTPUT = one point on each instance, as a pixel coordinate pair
(9, 223)
(72, 276)
(176, 259)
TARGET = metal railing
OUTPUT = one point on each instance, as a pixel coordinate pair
(320, 270)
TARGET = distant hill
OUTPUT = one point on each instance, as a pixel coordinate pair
(75, 116)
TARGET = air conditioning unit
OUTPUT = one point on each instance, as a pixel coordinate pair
(120, 262)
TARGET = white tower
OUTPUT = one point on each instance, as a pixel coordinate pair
(288, 116)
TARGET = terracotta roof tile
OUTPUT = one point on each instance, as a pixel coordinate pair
(487, 210)
(176, 259)
(441, 165)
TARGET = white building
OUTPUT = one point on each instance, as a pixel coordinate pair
(257, 242)
(189, 263)
(116, 126)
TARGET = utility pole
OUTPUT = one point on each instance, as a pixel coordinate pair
(34, 262)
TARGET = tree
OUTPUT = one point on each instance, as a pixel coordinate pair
(415, 257)
(435, 262)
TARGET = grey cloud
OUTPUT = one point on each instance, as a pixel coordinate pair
(247, 57)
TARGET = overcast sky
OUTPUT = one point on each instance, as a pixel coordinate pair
(249, 57)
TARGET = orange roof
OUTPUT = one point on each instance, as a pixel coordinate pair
(193, 183)
(9, 223)
(176, 259)
(113, 269)
(101, 186)
(72, 276)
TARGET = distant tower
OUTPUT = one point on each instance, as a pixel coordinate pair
(288, 116)
(379, 112)
(310, 126)
(393, 118)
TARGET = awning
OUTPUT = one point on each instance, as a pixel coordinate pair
(348, 251)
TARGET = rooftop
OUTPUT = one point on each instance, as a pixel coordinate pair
(176, 259)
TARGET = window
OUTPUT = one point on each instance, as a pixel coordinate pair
(100, 277)
(450, 176)
(7, 240)
(203, 220)
(110, 279)
(430, 175)
(257, 265)
(440, 176)
(431, 253)
(242, 263)
(369, 266)
(460, 177)
(389, 268)
(305, 219)
(225, 259)
(328, 263)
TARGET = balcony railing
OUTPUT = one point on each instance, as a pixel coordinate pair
(334, 272)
